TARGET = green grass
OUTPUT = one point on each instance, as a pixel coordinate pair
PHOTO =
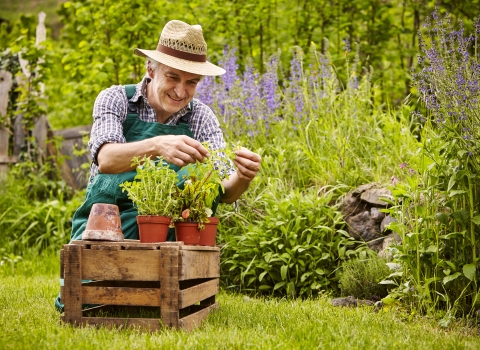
(29, 320)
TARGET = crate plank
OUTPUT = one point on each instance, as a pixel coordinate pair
(197, 293)
(199, 264)
(125, 265)
(72, 296)
(120, 296)
(62, 271)
(194, 320)
(169, 286)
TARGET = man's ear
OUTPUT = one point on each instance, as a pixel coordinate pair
(150, 71)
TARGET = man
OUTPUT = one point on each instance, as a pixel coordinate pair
(162, 102)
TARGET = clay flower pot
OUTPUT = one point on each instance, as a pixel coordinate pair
(187, 232)
(209, 234)
(103, 223)
(153, 228)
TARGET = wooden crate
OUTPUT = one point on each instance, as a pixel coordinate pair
(177, 280)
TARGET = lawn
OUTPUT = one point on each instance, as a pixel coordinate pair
(29, 320)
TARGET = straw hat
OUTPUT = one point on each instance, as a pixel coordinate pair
(182, 46)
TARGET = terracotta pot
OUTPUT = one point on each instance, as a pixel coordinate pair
(187, 232)
(209, 234)
(103, 223)
(152, 228)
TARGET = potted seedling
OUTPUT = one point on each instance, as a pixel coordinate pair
(151, 192)
(196, 195)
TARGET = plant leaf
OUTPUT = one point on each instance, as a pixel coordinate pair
(451, 277)
(469, 271)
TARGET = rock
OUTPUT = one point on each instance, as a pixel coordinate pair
(374, 196)
(360, 189)
(377, 215)
(350, 301)
(362, 210)
(387, 220)
(347, 301)
(363, 226)
(391, 239)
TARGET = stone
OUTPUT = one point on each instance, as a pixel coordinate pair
(392, 239)
(377, 215)
(386, 221)
(363, 226)
(374, 196)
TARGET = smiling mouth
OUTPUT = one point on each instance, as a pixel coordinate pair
(174, 99)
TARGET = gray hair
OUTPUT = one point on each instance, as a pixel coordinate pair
(154, 65)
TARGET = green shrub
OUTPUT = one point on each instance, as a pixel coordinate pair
(360, 278)
(28, 220)
(294, 246)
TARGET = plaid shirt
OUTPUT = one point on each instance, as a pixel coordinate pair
(110, 111)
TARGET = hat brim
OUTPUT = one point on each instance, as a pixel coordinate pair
(201, 68)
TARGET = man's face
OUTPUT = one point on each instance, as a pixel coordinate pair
(170, 90)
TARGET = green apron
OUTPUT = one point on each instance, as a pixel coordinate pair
(105, 188)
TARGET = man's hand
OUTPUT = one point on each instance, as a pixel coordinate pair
(115, 158)
(247, 163)
(180, 150)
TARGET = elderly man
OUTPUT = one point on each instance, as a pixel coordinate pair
(150, 120)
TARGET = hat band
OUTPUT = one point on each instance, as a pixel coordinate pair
(181, 54)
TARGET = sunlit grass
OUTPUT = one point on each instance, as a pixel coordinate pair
(28, 319)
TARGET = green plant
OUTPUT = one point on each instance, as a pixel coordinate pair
(294, 246)
(152, 188)
(200, 188)
(361, 278)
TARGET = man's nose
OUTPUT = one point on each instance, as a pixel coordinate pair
(181, 90)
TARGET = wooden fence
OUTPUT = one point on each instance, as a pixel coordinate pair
(71, 170)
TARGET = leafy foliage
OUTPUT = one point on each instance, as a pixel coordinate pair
(35, 214)
(199, 189)
(294, 246)
(152, 189)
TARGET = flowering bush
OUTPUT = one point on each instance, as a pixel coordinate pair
(437, 207)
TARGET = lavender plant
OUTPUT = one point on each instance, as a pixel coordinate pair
(437, 208)
(318, 136)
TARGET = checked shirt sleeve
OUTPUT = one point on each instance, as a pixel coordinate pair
(109, 112)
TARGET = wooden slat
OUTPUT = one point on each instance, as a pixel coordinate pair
(120, 296)
(194, 320)
(72, 291)
(128, 244)
(199, 264)
(199, 247)
(197, 293)
(6, 159)
(62, 273)
(128, 284)
(4, 138)
(76, 132)
(124, 265)
(151, 324)
(169, 286)
(105, 247)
